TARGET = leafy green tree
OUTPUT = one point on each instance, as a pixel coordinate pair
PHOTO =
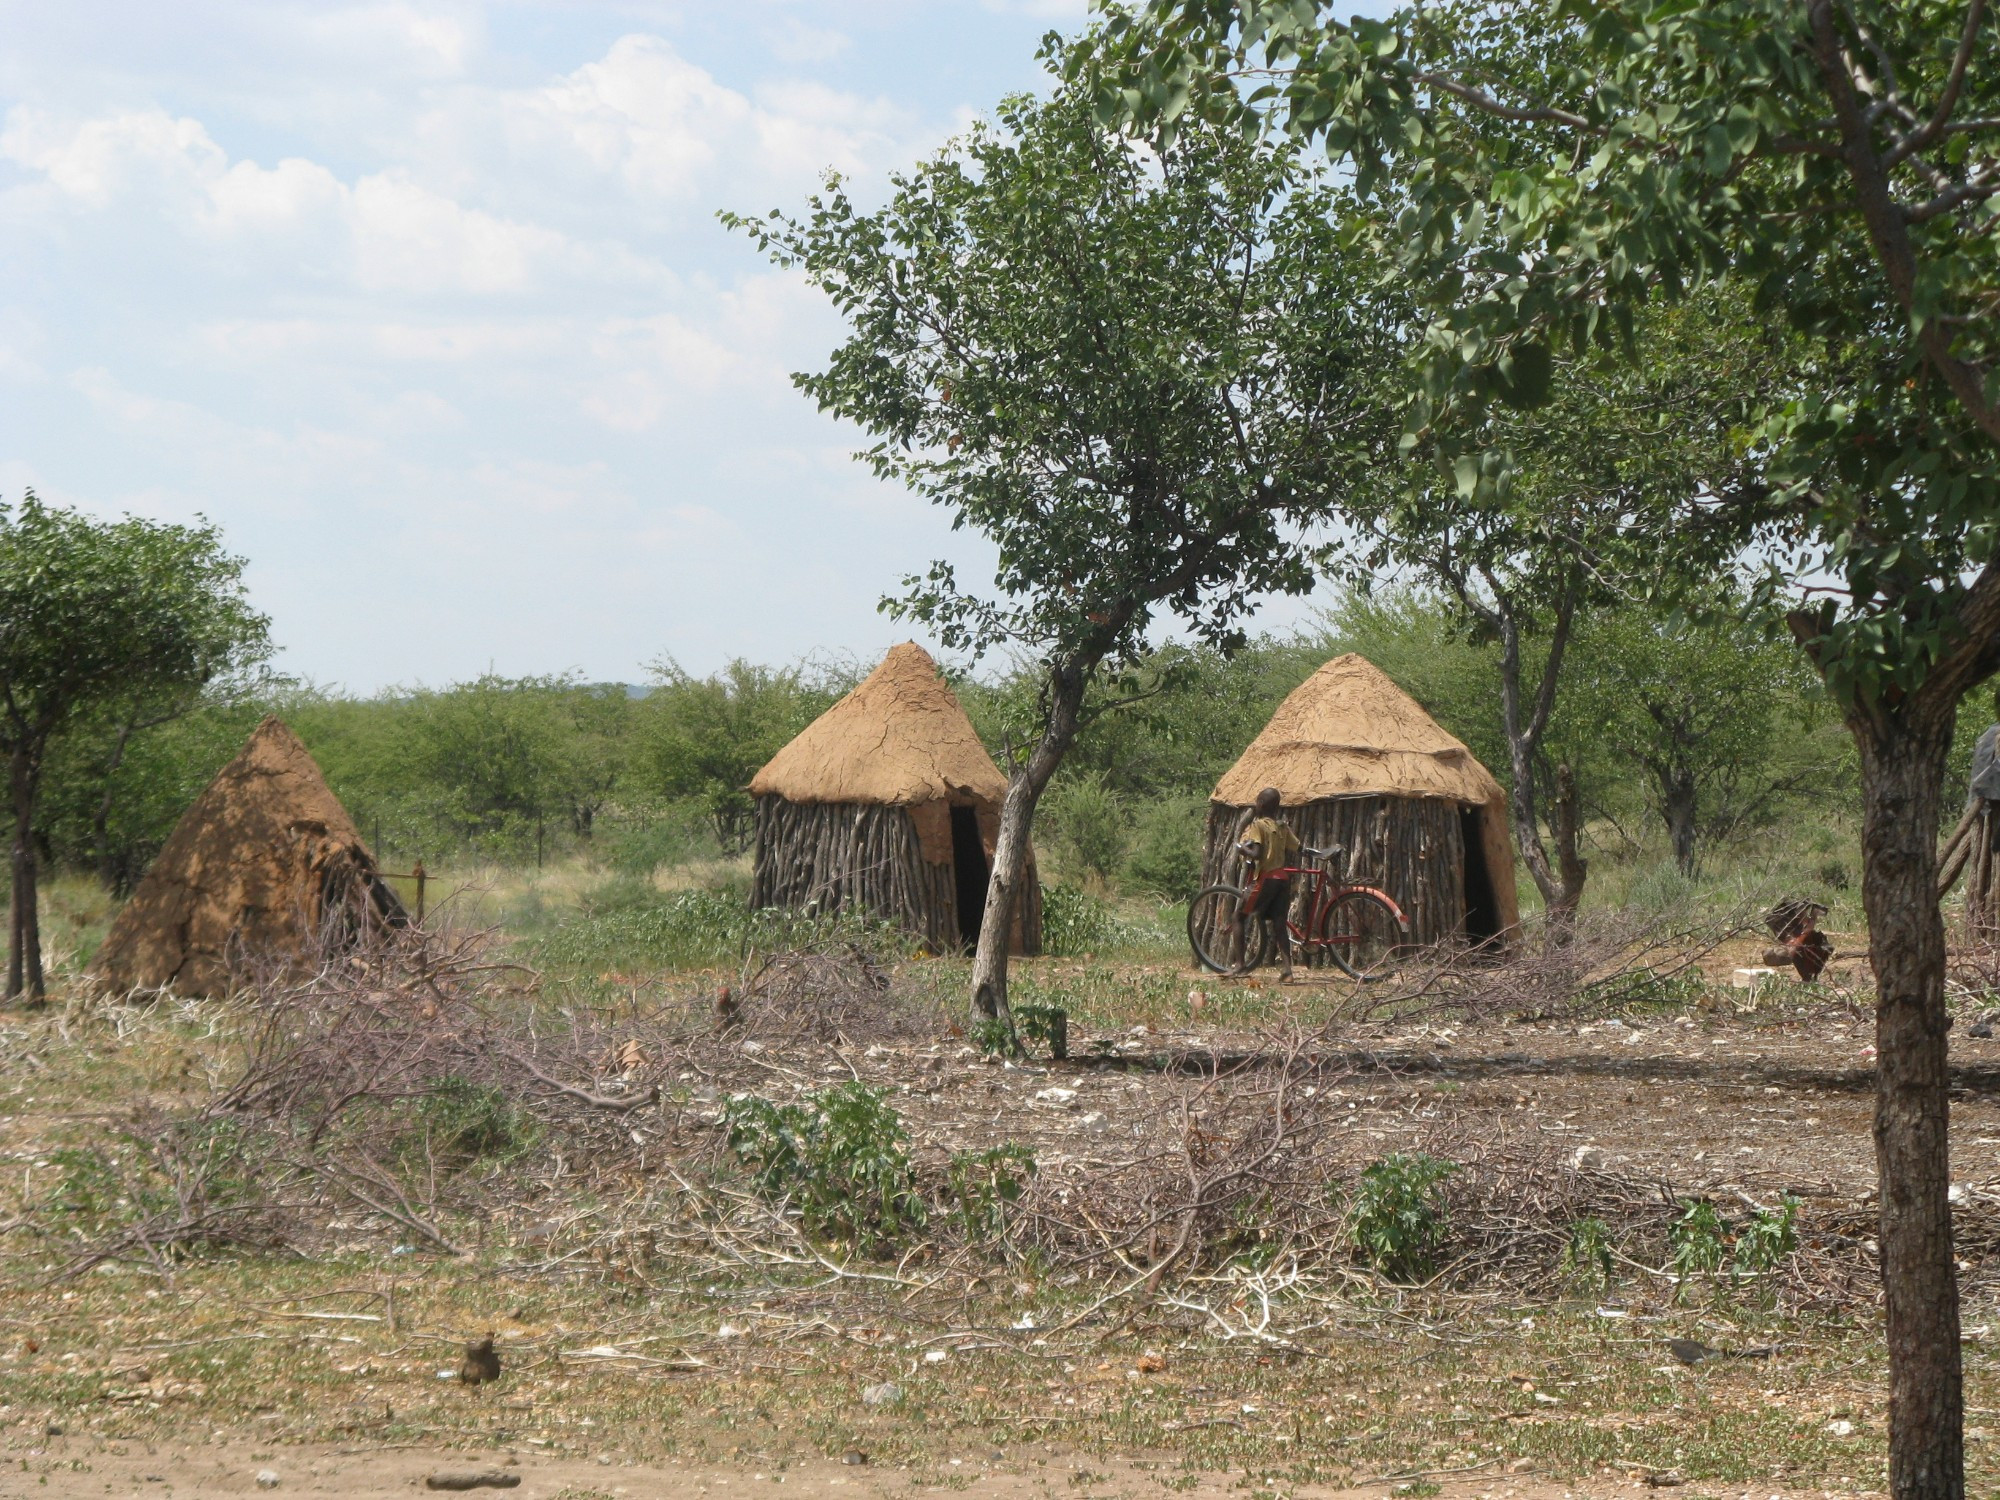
(95, 614)
(119, 777)
(1588, 515)
(701, 739)
(1552, 168)
(506, 755)
(1137, 374)
(1696, 710)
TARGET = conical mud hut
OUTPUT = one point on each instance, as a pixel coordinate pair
(888, 804)
(1360, 764)
(265, 872)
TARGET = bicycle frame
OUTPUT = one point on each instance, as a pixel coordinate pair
(1323, 888)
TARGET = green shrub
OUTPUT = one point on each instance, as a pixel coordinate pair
(1046, 1024)
(992, 1036)
(983, 1186)
(89, 1191)
(1586, 1258)
(1166, 849)
(1660, 889)
(1074, 922)
(840, 1157)
(1088, 824)
(678, 837)
(1769, 1238)
(1399, 1221)
(1660, 989)
(462, 1123)
(1697, 1241)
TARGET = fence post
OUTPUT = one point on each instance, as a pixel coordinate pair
(419, 873)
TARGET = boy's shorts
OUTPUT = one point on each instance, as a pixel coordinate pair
(1273, 901)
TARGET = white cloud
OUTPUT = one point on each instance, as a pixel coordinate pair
(96, 160)
(383, 232)
(795, 42)
(433, 40)
(448, 340)
(1050, 10)
(409, 239)
(662, 134)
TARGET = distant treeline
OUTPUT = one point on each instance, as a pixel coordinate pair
(1682, 740)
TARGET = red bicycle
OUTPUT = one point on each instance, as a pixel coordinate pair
(1360, 928)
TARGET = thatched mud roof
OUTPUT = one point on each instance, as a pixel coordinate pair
(1348, 731)
(253, 878)
(898, 739)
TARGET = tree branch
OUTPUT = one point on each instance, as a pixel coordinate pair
(1954, 83)
(1487, 104)
(1887, 225)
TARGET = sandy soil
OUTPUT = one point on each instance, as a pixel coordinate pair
(91, 1467)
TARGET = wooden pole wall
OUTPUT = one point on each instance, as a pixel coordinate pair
(842, 856)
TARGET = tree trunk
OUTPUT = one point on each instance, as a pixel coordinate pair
(1010, 854)
(100, 822)
(1902, 769)
(1567, 827)
(1679, 808)
(24, 952)
(1562, 885)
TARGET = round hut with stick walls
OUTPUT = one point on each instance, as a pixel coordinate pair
(888, 804)
(1358, 763)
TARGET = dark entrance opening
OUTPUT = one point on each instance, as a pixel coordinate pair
(1482, 908)
(970, 872)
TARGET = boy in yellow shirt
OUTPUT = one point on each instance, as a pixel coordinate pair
(1271, 845)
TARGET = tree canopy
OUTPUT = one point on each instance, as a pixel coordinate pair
(1540, 173)
(1142, 374)
(95, 615)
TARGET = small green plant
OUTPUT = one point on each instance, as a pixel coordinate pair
(1047, 1024)
(89, 1191)
(1399, 1222)
(1586, 1258)
(1697, 1241)
(840, 1157)
(463, 1123)
(991, 1036)
(983, 1186)
(1771, 1235)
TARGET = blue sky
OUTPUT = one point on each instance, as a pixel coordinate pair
(424, 302)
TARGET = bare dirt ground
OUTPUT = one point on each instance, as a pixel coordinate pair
(660, 1346)
(151, 1472)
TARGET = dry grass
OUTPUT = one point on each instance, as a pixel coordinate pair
(290, 1231)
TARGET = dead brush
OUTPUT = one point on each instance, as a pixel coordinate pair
(1602, 962)
(429, 1095)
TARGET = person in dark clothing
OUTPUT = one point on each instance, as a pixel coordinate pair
(1271, 846)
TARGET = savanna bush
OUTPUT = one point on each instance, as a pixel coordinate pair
(1074, 922)
(839, 1157)
(1398, 1217)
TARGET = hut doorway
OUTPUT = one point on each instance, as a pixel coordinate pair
(1482, 907)
(970, 870)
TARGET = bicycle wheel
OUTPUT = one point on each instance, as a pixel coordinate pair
(1364, 935)
(1221, 939)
